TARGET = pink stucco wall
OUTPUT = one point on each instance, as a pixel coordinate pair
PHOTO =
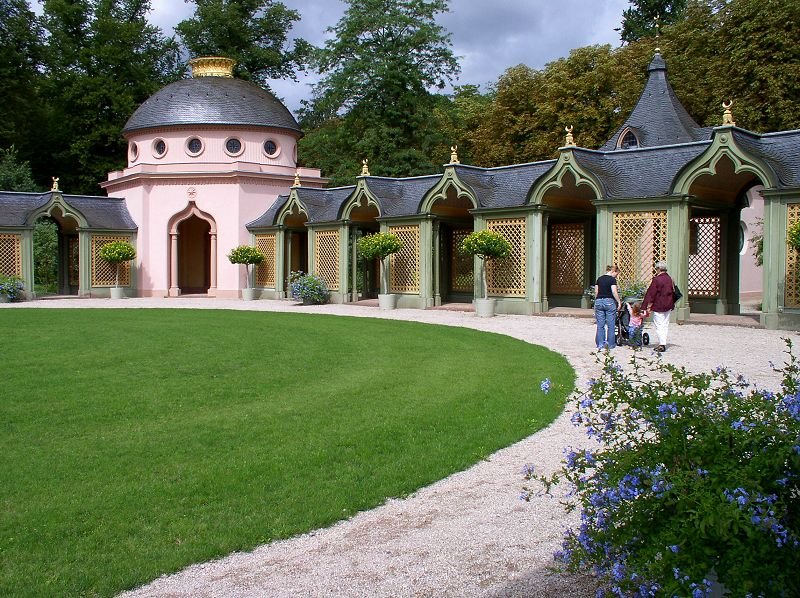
(231, 189)
(750, 275)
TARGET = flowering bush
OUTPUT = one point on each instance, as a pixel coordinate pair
(636, 288)
(11, 287)
(310, 288)
(696, 477)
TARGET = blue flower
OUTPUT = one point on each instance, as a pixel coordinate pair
(545, 385)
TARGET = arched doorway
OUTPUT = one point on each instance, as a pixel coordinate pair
(56, 254)
(194, 256)
(456, 276)
(296, 243)
(193, 253)
(365, 274)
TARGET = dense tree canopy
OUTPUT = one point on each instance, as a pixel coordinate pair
(641, 19)
(374, 100)
(252, 32)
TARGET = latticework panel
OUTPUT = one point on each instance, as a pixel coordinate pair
(405, 263)
(640, 240)
(567, 258)
(326, 257)
(265, 271)
(704, 259)
(791, 296)
(103, 273)
(507, 276)
(462, 274)
(11, 255)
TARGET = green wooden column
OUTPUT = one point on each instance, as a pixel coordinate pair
(604, 239)
(344, 262)
(678, 252)
(535, 266)
(426, 260)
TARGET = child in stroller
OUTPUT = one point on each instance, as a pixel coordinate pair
(630, 324)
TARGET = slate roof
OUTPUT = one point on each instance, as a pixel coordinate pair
(401, 197)
(100, 212)
(659, 118)
(503, 187)
(636, 173)
(322, 205)
(211, 100)
(779, 150)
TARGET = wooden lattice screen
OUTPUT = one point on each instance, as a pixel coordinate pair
(404, 264)
(507, 277)
(11, 255)
(791, 294)
(462, 273)
(326, 257)
(265, 271)
(567, 258)
(640, 240)
(704, 257)
(103, 273)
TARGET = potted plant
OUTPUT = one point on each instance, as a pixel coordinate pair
(310, 289)
(115, 253)
(11, 288)
(381, 246)
(247, 255)
(485, 245)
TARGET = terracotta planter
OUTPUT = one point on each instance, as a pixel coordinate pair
(388, 301)
(117, 293)
(484, 308)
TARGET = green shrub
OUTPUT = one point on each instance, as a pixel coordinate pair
(696, 476)
(117, 252)
(793, 236)
(636, 288)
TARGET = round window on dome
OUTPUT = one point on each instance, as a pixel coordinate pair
(159, 148)
(194, 146)
(133, 149)
(271, 148)
(234, 146)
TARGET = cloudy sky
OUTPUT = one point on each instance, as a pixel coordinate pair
(488, 36)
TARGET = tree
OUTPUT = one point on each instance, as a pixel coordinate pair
(486, 245)
(102, 59)
(374, 99)
(116, 253)
(15, 175)
(20, 61)
(640, 20)
(380, 246)
(252, 32)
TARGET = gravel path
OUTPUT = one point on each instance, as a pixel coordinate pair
(466, 535)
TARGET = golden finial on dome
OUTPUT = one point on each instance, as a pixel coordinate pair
(296, 179)
(212, 66)
(55, 184)
(454, 154)
(727, 116)
(570, 140)
(364, 167)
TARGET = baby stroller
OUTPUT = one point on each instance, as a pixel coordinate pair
(623, 319)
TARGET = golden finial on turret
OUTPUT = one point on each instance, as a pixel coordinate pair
(454, 154)
(570, 140)
(364, 167)
(727, 116)
(55, 184)
(296, 179)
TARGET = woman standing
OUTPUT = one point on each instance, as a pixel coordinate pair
(659, 300)
(606, 304)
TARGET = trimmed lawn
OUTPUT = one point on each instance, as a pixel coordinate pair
(135, 442)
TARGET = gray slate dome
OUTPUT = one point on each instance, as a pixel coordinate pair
(211, 100)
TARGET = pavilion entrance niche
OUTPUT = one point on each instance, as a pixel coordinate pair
(56, 254)
(456, 278)
(365, 274)
(193, 249)
(570, 222)
(296, 244)
(716, 239)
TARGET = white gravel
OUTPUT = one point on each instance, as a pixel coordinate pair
(466, 535)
